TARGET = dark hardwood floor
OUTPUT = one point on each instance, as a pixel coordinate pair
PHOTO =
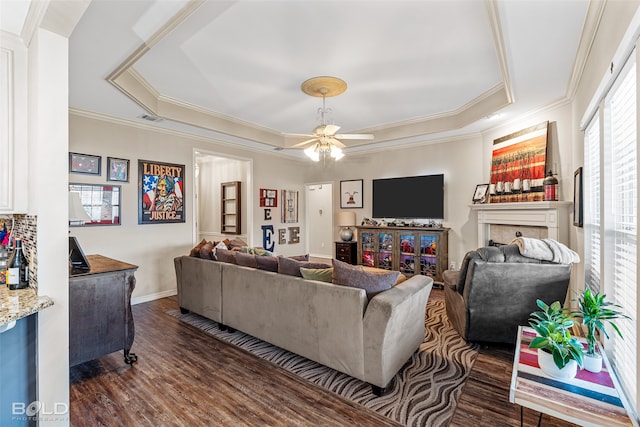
(185, 377)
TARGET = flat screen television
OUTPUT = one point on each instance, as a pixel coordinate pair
(409, 197)
(77, 259)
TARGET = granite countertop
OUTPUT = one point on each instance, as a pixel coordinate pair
(20, 303)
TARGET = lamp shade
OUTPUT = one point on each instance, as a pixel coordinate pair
(346, 219)
(77, 214)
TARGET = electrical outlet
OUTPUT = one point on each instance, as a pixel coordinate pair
(452, 265)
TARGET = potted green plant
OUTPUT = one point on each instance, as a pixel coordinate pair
(559, 353)
(595, 311)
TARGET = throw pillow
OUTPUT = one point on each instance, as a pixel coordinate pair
(205, 251)
(247, 260)
(401, 278)
(374, 270)
(262, 252)
(300, 257)
(353, 275)
(268, 263)
(292, 267)
(319, 274)
(195, 252)
(256, 251)
(236, 243)
(225, 255)
(219, 245)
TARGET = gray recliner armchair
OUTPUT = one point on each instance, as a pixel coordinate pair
(496, 290)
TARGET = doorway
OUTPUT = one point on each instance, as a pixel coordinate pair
(319, 219)
(211, 170)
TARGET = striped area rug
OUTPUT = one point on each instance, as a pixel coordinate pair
(425, 391)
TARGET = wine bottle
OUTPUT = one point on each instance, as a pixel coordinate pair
(18, 268)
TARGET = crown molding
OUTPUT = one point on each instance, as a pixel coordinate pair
(501, 51)
(35, 15)
(177, 133)
(587, 38)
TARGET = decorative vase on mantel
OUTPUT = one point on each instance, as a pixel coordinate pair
(548, 366)
(592, 362)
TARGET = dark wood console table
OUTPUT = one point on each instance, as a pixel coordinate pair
(100, 318)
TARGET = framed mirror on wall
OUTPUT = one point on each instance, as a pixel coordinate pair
(102, 203)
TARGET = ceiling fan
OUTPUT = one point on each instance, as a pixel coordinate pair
(324, 140)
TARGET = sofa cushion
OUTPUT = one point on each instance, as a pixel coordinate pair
(268, 263)
(195, 251)
(247, 260)
(292, 267)
(226, 255)
(355, 276)
(206, 251)
(319, 274)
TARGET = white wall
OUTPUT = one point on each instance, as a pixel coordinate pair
(459, 160)
(48, 136)
(279, 174)
(153, 246)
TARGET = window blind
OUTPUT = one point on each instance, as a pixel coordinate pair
(592, 204)
(620, 146)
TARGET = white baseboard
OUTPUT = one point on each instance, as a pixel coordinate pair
(152, 297)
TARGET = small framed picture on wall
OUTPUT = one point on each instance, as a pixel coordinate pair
(118, 169)
(351, 194)
(85, 163)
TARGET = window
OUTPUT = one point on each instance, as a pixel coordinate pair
(620, 150)
(611, 156)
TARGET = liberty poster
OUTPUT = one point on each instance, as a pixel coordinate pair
(160, 192)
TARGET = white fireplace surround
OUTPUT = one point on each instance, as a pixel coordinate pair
(554, 216)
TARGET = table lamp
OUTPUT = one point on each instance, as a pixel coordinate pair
(77, 214)
(346, 219)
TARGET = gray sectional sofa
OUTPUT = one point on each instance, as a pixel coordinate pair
(334, 325)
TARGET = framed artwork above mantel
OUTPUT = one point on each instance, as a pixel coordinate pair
(518, 165)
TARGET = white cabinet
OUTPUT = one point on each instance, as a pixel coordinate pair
(13, 125)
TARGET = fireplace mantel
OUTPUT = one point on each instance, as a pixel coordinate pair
(554, 216)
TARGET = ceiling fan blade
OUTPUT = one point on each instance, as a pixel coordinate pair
(300, 144)
(335, 142)
(297, 135)
(330, 130)
(354, 136)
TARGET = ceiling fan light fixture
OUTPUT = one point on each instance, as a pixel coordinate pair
(312, 153)
(325, 142)
(336, 152)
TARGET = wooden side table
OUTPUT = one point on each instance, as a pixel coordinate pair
(100, 318)
(588, 399)
(347, 252)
